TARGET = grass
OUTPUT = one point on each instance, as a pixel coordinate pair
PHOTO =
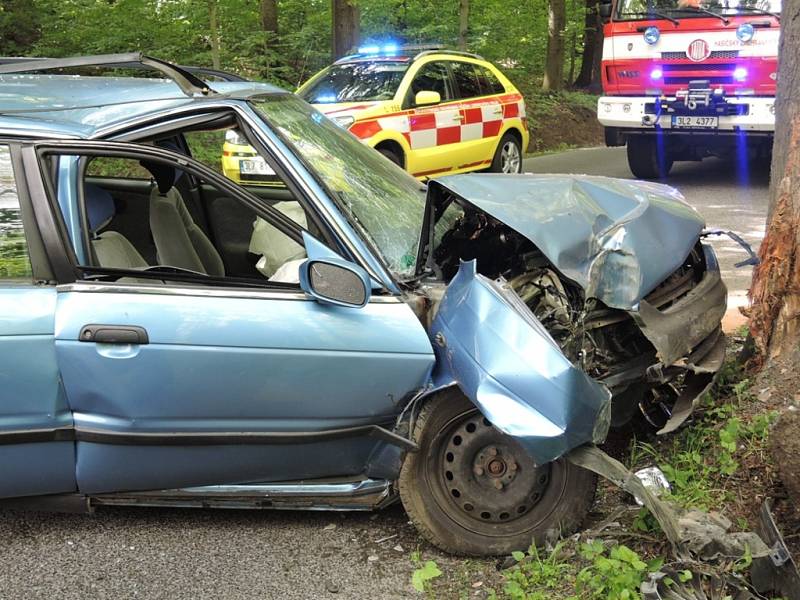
(702, 460)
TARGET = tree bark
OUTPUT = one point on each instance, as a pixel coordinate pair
(213, 25)
(269, 16)
(463, 24)
(589, 75)
(554, 58)
(345, 27)
(775, 291)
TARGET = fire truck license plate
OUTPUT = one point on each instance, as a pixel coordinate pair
(694, 122)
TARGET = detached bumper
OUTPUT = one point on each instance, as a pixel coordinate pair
(754, 114)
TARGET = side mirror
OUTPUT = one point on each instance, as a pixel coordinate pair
(604, 10)
(427, 98)
(335, 281)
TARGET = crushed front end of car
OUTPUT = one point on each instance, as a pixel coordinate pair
(565, 291)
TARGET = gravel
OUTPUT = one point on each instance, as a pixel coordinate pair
(163, 553)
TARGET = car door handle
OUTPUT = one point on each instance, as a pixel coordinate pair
(114, 334)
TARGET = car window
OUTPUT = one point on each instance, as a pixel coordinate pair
(149, 217)
(488, 81)
(15, 265)
(433, 77)
(466, 79)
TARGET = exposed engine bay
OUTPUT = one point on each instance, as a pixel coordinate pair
(613, 346)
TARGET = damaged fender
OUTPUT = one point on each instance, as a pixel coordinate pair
(504, 360)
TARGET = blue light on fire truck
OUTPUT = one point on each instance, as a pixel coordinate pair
(656, 73)
(740, 73)
(369, 50)
(652, 35)
(745, 32)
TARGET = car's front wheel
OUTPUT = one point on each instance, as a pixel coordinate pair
(508, 156)
(471, 489)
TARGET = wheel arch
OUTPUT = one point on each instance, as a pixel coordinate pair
(395, 147)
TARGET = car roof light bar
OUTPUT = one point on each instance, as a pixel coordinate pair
(399, 52)
(189, 83)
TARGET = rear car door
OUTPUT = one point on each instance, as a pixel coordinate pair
(37, 454)
(434, 131)
(482, 113)
(181, 383)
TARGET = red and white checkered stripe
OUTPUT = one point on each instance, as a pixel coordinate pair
(446, 124)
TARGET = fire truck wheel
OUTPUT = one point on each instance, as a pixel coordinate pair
(647, 157)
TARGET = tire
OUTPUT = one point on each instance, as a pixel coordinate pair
(449, 487)
(392, 156)
(508, 156)
(645, 159)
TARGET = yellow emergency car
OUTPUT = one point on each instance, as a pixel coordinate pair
(431, 111)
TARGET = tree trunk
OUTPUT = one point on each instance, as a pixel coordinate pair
(775, 292)
(269, 16)
(345, 27)
(589, 76)
(213, 25)
(554, 58)
(463, 24)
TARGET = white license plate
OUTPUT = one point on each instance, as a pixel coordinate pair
(255, 166)
(692, 122)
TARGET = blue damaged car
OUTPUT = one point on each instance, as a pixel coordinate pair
(345, 339)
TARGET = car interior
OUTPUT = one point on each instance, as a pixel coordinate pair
(147, 215)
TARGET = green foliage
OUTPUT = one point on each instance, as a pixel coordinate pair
(535, 576)
(510, 34)
(614, 574)
(424, 573)
(700, 459)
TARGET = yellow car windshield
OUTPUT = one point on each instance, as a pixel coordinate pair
(383, 201)
(356, 82)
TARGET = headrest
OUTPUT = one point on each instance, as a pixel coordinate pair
(99, 206)
(165, 176)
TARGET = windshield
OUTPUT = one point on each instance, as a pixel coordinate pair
(356, 82)
(384, 202)
(638, 9)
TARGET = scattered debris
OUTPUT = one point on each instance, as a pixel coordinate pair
(702, 544)
(398, 548)
(330, 527)
(331, 587)
(372, 558)
(386, 539)
(654, 480)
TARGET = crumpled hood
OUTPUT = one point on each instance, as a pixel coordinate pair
(617, 239)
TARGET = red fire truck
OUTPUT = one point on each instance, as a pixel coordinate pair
(686, 79)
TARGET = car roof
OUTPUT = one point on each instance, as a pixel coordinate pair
(79, 106)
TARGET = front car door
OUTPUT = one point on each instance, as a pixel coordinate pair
(37, 454)
(187, 381)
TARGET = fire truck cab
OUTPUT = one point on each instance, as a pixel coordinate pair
(686, 79)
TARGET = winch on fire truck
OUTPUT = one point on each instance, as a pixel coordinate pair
(687, 79)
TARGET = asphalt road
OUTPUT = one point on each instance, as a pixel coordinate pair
(150, 553)
(729, 197)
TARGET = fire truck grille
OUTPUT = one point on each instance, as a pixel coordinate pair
(714, 54)
(714, 73)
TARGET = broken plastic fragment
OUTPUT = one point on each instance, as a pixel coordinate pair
(654, 480)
